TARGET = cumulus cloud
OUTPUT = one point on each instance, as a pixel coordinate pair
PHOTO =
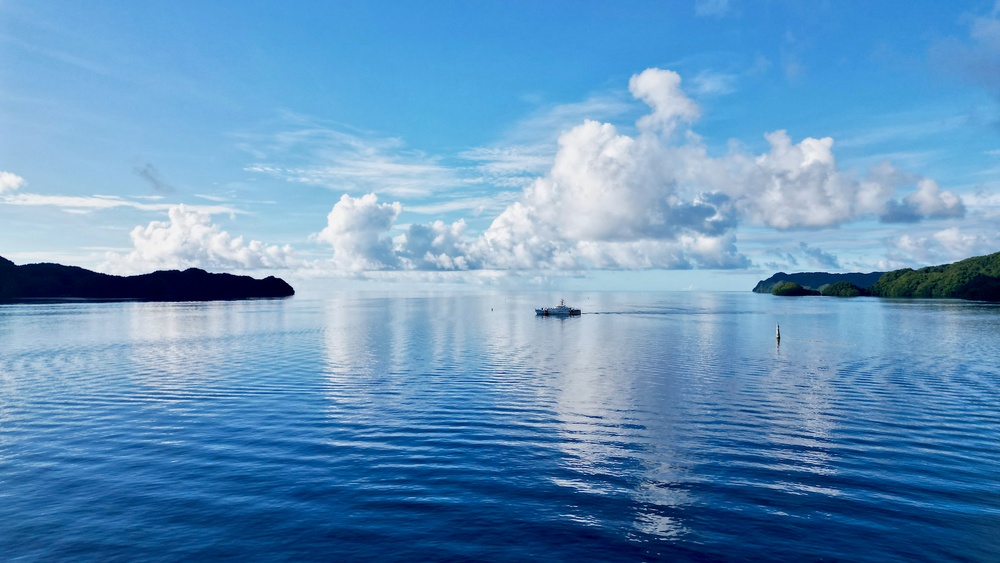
(357, 230)
(10, 182)
(933, 202)
(437, 246)
(929, 201)
(800, 186)
(189, 239)
(939, 247)
(607, 202)
(661, 90)
(793, 185)
(654, 198)
(659, 200)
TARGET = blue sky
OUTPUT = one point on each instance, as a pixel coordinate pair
(628, 145)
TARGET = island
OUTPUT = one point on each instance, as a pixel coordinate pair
(817, 280)
(976, 278)
(55, 281)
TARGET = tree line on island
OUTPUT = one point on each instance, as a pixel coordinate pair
(975, 278)
(55, 281)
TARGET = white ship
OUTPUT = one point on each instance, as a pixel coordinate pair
(562, 310)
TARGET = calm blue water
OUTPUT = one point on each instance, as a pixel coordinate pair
(655, 426)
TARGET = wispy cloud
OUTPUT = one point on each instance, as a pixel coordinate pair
(344, 161)
(902, 128)
(544, 126)
(88, 204)
(59, 56)
(478, 205)
(711, 83)
(512, 166)
(526, 150)
(215, 198)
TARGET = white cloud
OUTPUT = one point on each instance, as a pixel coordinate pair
(88, 204)
(436, 246)
(321, 156)
(799, 185)
(476, 204)
(527, 148)
(929, 201)
(658, 200)
(661, 90)
(190, 240)
(655, 199)
(10, 182)
(607, 202)
(511, 166)
(939, 247)
(713, 83)
(357, 230)
(794, 185)
(538, 132)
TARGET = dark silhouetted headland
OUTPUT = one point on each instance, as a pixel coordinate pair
(55, 281)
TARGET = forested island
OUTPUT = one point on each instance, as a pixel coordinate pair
(975, 278)
(816, 280)
(55, 281)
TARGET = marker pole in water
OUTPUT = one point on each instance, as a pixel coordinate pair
(777, 332)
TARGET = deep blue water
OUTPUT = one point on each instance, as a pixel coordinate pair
(363, 427)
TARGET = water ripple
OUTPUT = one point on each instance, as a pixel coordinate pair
(454, 428)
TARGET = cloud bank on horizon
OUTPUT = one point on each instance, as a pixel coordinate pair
(189, 240)
(652, 200)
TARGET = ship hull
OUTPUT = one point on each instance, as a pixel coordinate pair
(557, 312)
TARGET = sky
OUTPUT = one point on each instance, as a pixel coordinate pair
(681, 145)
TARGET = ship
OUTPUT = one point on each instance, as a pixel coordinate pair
(561, 310)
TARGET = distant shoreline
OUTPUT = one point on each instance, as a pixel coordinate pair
(974, 279)
(33, 283)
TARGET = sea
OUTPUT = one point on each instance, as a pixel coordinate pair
(462, 427)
